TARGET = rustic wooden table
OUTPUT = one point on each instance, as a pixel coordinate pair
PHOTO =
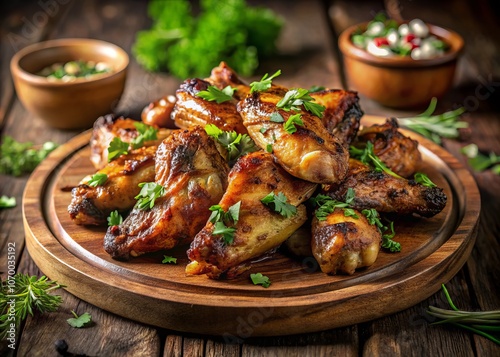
(308, 57)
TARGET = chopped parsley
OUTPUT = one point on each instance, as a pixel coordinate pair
(223, 220)
(296, 97)
(146, 133)
(116, 148)
(279, 204)
(215, 94)
(265, 83)
(97, 180)
(368, 157)
(80, 321)
(7, 202)
(169, 260)
(326, 205)
(114, 219)
(259, 279)
(150, 191)
(237, 145)
(293, 120)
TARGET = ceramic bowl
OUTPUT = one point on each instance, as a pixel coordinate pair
(69, 105)
(401, 82)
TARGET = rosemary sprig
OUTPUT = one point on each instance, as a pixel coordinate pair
(479, 322)
(436, 127)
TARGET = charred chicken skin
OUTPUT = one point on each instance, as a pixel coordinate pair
(106, 128)
(386, 193)
(311, 153)
(259, 228)
(92, 205)
(191, 109)
(194, 176)
(342, 244)
(342, 114)
(399, 152)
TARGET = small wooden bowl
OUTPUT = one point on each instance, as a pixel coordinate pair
(69, 105)
(401, 82)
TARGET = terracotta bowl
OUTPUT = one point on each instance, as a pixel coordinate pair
(69, 105)
(401, 82)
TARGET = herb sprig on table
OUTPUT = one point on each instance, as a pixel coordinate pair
(190, 46)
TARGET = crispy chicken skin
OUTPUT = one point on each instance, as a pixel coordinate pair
(311, 153)
(259, 228)
(193, 110)
(399, 152)
(343, 244)
(108, 127)
(385, 193)
(342, 113)
(92, 205)
(194, 176)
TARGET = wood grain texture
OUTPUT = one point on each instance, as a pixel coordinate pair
(299, 299)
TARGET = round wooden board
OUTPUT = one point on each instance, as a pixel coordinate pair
(300, 299)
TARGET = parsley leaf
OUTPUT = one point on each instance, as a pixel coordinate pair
(222, 220)
(237, 145)
(326, 205)
(387, 241)
(265, 83)
(150, 191)
(114, 219)
(215, 94)
(146, 133)
(79, 321)
(259, 279)
(169, 260)
(368, 157)
(293, 120)
(423, 179)
(276, 118)
(7, 202)
(97, 180)
(296, 97)
(116, 148)
(279, 204)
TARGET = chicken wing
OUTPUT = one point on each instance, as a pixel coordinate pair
(193, 110)
(259, 228)
(386, 193)
(342, 113)
(194, 176)
(106, 128)
(398, 151)
(343, 244)
(311, 153)
(92, 205)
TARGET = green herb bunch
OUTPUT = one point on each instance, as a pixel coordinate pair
(190, 46)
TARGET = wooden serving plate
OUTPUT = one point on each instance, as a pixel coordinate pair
(300, 299)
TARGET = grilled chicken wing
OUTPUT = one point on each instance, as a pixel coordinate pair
(399, 152)
(194, 176)
(193, 110)
(92, 205)
(311, 153)
(106, 128)
(343, 244)
(259, 228)
(342, 113)
(385, 193)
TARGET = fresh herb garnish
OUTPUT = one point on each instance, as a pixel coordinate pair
(373, 217)
(223, 220)
(23, 295)
(146, 133)
(279, 204)
(423, 179)
(290, 124)
(18, 158)
(116, 148)
(259, 279)
(325, 205)
(169, 260)
(150, 191)
(83, 320)
(215, 94)
(237, 145)
(7, 202)
(483, 323)
(368, 157)
(479, 161)
(315, 89)
(114, 219)
(276, 117)
(97, 180)
(269, 148)
(296, 97)
(265, 83)
(435, 127)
